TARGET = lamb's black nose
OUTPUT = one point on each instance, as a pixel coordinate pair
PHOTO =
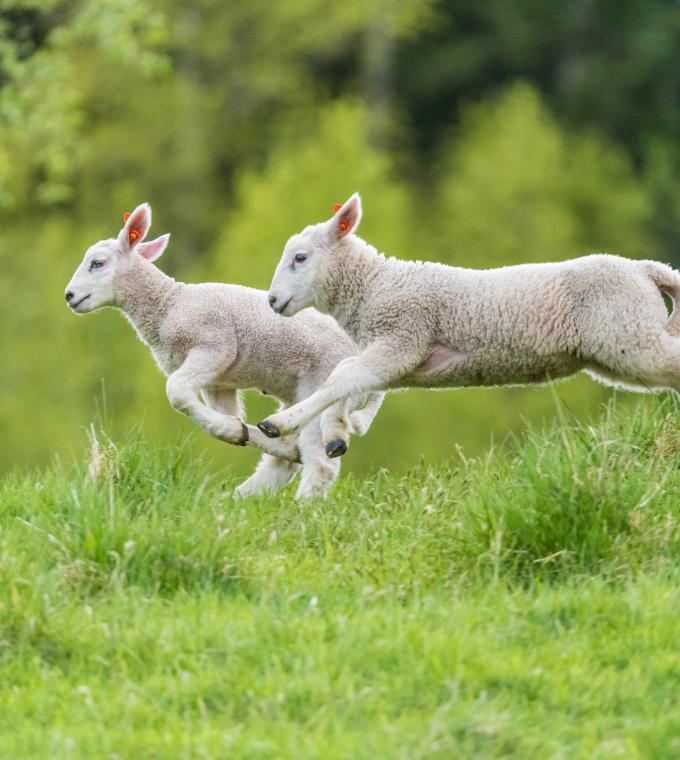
(272, 301)
(69, 296)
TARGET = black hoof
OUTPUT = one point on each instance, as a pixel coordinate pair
(336, 448)
(269, 429)
(245, 435)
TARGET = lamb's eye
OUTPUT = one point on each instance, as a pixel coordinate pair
(96, 264)
(299, 258)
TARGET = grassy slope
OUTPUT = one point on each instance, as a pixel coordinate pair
(521, 606)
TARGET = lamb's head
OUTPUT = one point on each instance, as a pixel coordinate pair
(93, 283)
(299, 278)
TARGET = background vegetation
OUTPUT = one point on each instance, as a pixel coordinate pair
(478, 133)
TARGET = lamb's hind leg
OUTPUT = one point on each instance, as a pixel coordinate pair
(655, 369)
(667, 377)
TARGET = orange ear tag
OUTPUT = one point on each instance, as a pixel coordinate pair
(344, 224)
(133, 235)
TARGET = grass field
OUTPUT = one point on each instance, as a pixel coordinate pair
(520, 606)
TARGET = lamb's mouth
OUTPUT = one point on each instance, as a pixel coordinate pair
(284, 307)
(74, 306)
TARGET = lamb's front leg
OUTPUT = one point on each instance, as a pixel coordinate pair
(183, 388)
(374, 369)
(230, 402)
(351, 417)
(318, 471)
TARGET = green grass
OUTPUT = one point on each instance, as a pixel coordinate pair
(520, 606)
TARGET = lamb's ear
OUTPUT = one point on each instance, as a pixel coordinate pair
(136, 227)
(154, 248)
(346, 219)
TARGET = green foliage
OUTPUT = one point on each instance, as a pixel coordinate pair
(606, 65)
(41, 97)
(520, 605)
(517, 187)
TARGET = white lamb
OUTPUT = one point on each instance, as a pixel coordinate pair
(434, 326)
(213, 339)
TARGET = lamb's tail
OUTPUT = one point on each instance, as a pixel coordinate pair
(668, 281)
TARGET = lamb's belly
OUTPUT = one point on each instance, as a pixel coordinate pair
(281, 387)
(487, 369)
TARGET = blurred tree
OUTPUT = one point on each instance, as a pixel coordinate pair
(607, 65)
(601, 63)
(41, 110)
(517, 187)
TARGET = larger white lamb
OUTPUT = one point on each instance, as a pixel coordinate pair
(429, 325)
(213, 339)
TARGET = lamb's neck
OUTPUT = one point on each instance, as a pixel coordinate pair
(349, 282)
(143, 294)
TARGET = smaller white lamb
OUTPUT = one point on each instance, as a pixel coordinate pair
(213, 339)
(433, 326)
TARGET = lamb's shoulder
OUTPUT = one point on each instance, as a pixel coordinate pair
(200, 316)
(403, 302)
(317, 339)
